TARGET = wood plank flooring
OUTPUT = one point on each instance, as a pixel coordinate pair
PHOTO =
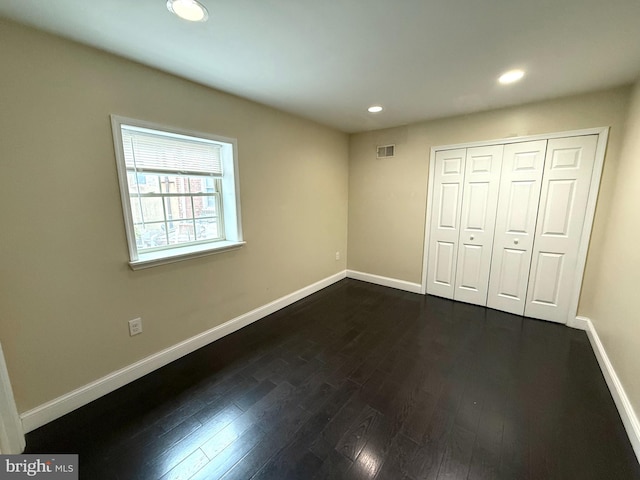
(361, 382)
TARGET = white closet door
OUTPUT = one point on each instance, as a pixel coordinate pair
(520, 183)
(565, 189)
(445, 221)
(480, 200)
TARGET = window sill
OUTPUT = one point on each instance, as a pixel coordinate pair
(154, 259)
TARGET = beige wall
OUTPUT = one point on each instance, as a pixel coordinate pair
(66, 291)
(613, 303)
(387, 197)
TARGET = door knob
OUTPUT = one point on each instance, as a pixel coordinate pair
(515, 241)
(471, 237)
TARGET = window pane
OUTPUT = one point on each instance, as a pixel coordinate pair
(181, 232)
(150, 235)
(135, 210)
(207, 229)
(148, 182)
(178, 208)
(152, 209)
(132, 181)
(174, 184)
(201, 184)
(205, 206)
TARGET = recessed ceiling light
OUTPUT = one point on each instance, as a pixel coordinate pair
(511, 76)
(375, 109)
(191, 10)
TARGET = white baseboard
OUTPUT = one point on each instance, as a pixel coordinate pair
(580, 323)
(627, 413)
(64, 404)
(385, 281)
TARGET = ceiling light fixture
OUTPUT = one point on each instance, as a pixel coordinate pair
(191, 10)
(511, 76)
(375, 109)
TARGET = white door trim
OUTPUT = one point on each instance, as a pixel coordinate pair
(427, 223)
(603, 135)
(590, 213)
(543, 136)
(11, 433)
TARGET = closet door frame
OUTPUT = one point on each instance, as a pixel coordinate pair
(12, 440)
(585, 236)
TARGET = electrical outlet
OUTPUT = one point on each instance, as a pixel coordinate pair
(337, 255)
(135, 326)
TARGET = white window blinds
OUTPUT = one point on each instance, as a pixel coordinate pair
(147, 150)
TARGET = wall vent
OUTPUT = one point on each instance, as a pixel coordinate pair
(386, 151)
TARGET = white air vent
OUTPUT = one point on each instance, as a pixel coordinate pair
(386, 151)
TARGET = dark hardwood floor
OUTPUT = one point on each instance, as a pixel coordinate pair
(360, 381)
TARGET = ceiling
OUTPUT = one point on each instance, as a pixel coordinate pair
(329, 60)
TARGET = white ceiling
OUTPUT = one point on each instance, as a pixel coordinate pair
(329, 60)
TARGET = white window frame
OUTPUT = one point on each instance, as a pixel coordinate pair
(232, 225)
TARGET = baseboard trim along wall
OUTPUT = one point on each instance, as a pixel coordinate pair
(627, 413)
(64, 404)
(385, 281)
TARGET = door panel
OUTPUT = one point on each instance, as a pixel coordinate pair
(448, 212)
(452, 165)
(547, 284)
(520, 184)
(566, 158)
(480, 162)
(481, 184)
(563, 199)
(470, 265)
(522, 207)
(445, 224)
(559, 208)
(476, 218)
(513, 267)
(444, 263)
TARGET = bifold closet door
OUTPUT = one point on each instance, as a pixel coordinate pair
(445, 221)
(520, 184)
(479, 204)
(565, 189)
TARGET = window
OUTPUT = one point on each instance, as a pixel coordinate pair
(179, 191)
